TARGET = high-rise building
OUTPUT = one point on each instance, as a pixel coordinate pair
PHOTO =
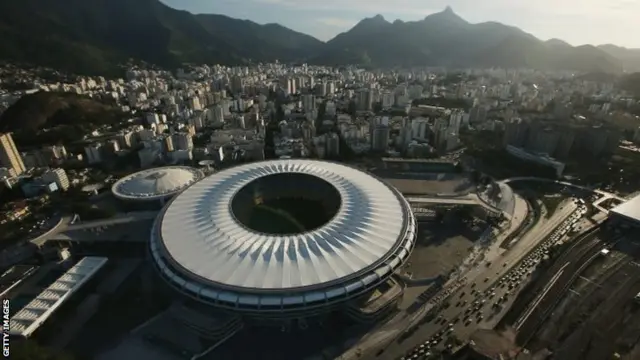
(168, 144)
(9, 156)
(94, 153)
(59, 176)
(478, 114)
(308, 102)
(440, 134)
(380, 138)
(387, 99)
(216, 114)
(182, 141)
(364, 100)
(333, 144)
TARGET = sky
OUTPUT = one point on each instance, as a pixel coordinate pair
(574, 21)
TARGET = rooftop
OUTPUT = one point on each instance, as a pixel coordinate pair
(36, 312)
(629, 209)
(155, 183)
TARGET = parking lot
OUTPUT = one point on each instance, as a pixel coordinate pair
(440, 248)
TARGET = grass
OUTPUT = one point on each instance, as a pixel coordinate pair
(272, 220)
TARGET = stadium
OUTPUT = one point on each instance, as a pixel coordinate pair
(282, 239)
(153, 187)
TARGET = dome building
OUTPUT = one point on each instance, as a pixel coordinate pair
(151, 188)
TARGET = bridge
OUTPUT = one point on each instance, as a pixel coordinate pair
(132, 227)
(565, 183)
(605, 195)
(442, 201)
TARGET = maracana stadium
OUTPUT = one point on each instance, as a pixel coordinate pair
(282, 239)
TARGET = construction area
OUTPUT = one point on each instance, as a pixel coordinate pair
(583, 304)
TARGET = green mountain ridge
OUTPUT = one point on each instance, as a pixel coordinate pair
(445, 39)
(90, 37)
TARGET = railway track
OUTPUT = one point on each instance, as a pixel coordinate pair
(531, 292)
(568, 272)
(574, 262)
(589, 294)
(585, 326)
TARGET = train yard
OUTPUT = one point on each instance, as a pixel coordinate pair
(581, 305)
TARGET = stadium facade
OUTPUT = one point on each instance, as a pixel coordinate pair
(349, 234)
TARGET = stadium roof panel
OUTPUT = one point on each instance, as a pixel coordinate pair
(199, 233)
(630, 209)
(36, 312)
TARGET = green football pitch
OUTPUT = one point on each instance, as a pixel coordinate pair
(287, 216)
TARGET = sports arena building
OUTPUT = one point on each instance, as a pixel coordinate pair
(284, 239)
(151, 188)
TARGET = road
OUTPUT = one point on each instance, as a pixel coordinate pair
(597, 191)
(469, 199)
(434, 200)
(64, 225)
(476, 276)
(61, 224)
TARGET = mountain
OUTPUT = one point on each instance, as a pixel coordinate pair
(445, 39)
(91, 36)
(631, 83)
(630, 58)
(53, 117)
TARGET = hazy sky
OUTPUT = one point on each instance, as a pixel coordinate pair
(575, 21)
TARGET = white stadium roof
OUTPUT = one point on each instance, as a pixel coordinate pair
(371, 235)
(629, 210)
(36, 312)
(156, 183)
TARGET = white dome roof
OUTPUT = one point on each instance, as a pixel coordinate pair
(198, 231)
(155, 183)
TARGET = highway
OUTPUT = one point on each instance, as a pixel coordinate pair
(472, 280)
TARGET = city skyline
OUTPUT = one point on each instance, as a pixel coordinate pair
(577, 22)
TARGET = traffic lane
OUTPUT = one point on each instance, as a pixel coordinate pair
(512, 257)
(452, 312)
(462, 321)
(439, 327)
(526, 244)
(434, 334)
(488, 280)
